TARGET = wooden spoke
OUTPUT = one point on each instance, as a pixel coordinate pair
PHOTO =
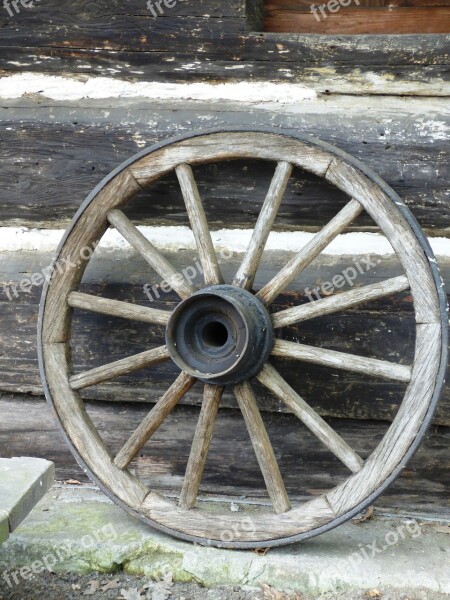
(307, 254)
(276, 384)
(211, 399)
(326, 306)
(148, 251)
(116, 308)
(154, 419)
(341, 360)
(247, 271)
(263, 448)
(211, 270)
(118, 368)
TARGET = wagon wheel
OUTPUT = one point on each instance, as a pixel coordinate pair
(225, 335)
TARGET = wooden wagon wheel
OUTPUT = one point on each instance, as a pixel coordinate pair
(225, 335)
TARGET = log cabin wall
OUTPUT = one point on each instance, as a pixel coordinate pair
(86, 85)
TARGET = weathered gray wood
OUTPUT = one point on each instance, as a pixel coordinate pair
(212, 396)
(245, 276)
(118, 368)
(276, 384)
(326, 306)
(378, 204)
(279, 283)
(83, 149)
(109, 39)
(148, 251)
(90, 228)
(318, 160)
(115, 308)
(154, 419)
(218, 147)
(227, 527)
(80, 429)
(262, 447)
(199, 225)
(403, 430)
(28, 427)
(341, 360)
(103, 339)
(99, 339)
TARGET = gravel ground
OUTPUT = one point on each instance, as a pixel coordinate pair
(120, 586)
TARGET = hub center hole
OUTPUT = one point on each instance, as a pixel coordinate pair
(215, 334)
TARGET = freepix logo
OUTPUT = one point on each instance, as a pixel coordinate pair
(13, 7)
(157, 7)
(331, 6)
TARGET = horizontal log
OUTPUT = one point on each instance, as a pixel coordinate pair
(343, 77)
(383, 330)
(73, 144)
(113, 40)
(308, 50)
(27, 426)
(359, 20)
(296, 5)
(70, 27)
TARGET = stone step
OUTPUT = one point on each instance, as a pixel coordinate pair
(78, 530)
(23, 482)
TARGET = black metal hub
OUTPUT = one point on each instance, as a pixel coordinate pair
(221, 335)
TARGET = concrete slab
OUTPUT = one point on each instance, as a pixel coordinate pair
(4, 526)
(23, 482)
(78, 530)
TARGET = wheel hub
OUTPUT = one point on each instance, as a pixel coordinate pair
(221, 335)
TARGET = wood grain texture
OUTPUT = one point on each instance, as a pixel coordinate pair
(227, 527)
(222, 140)
(217, 147)
(199, 225)
(90, 228)
(99, 339)
(79, 428)
(353, 20)
(403, 430)
(154, 419)
(383, 208)
(115, 308)
(119, 368)
(338, 302)
(322, 239)
(28, 427)
(401, 237)
(340, 360)
(212, 396)
(110, 39)
(297, 5)
(83, 149)
(245, 276)
(276, 384)
(262, 447)
(151, 254)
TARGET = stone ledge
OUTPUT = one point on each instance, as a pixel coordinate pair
(78, 530)
(23, 483)
(4, 526)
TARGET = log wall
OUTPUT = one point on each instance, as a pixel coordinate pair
(86, 85)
